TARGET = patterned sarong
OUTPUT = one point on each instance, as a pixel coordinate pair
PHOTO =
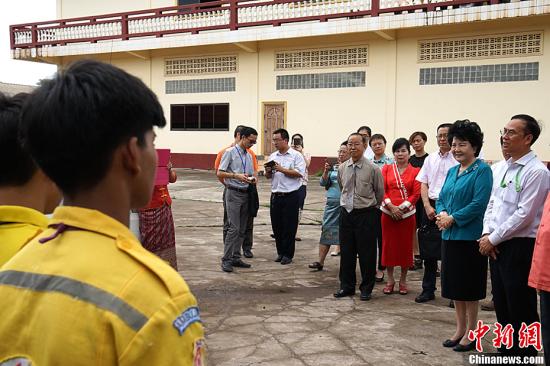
(156, 227)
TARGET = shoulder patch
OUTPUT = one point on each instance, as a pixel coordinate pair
(188, 317)
(17, 361)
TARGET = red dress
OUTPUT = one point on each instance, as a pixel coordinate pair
(397, 236)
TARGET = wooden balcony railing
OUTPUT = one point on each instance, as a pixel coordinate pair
(221, 14)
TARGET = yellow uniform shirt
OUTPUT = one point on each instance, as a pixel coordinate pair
(85, 292)
(18, 225)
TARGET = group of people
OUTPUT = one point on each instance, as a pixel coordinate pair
(418, 209)
(87, 136)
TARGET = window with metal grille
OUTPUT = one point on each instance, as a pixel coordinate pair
(209, 117)
(200, 65)
(320, 58)
(480, 47)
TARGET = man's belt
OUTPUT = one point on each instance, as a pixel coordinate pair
(242, 190)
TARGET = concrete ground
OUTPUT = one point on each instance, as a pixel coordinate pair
(286, 315)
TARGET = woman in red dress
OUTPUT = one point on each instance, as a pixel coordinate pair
(402, 190)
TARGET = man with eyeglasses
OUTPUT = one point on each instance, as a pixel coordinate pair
(432, 176)
(510, 227)
(237, 170)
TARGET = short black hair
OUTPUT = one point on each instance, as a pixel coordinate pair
(365, 128)
(300, 137)
(238, 130)
(283, 133)
(444, 125)
(73, 122)
(377, 136)
(247, 131)
(16, 163)
(344, 143)
(399, 143)
(418, 133)
(467, 130)
(532, 127)
(358, 134)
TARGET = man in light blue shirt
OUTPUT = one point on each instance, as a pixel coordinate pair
(286, 168)
(237, 171)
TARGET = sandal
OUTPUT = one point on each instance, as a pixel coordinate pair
(403, 290)
(379, 279)
(316, 265)
(335, 254)
(388, 290)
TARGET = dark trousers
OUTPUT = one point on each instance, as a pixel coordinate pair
(430, 265)
(247, 243)
(358, 238)
(284, 221)
(515, 301)
(379, 238)
(545, 320)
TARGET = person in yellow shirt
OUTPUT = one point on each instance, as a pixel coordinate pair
(85, 292)
(25, 191)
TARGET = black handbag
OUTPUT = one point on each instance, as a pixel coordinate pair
(429, 241)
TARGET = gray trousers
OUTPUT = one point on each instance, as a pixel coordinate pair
(236, 207)
(247, 243)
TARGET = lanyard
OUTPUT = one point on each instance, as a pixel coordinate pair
(243, 161)
(517, 186)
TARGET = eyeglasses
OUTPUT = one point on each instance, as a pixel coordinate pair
(442, 136)
(354, 144)
(509, 133)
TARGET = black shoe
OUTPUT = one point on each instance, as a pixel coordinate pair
(279, 258)
(272, 235)
(227, 267)
(241, 264)
(467, 348)
(417, 264)
(450, 343)
(286, 260)
(248, 253)
(298, 239)
(316, 266)
(452, 304)
(424, 297)
(365, 296)
(343, 293)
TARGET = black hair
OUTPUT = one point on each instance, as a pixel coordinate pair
(16, 163)
(247, 131)
(365, 128)
(444, 125)
(377, 136)
(238, 130)
(418, 133)
(467, 130)
(73, 122)
(532, 127)
(344, 143)
(283, 133)
(399, 143)
(300, 136)
(358, 134)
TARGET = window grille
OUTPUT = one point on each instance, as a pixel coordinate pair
(200, 65)
(320, 58)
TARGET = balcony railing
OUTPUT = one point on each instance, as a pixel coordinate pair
(222, 14)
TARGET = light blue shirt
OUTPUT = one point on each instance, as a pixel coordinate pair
(236, 160)
(382, 161)
(333, 191)
(465, 196)
(292, 159)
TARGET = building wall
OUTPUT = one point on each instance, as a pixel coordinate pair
(392, 101)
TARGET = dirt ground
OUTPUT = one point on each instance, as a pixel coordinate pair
(286, 315)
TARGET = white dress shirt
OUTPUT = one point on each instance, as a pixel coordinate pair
(292, 159)
(434, 171)
(517, 199)
(369, 154)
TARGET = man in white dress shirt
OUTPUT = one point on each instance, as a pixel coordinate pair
(366, 132)
(286, 179)
(510, 227)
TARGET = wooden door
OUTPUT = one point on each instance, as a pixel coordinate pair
(274, 118)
